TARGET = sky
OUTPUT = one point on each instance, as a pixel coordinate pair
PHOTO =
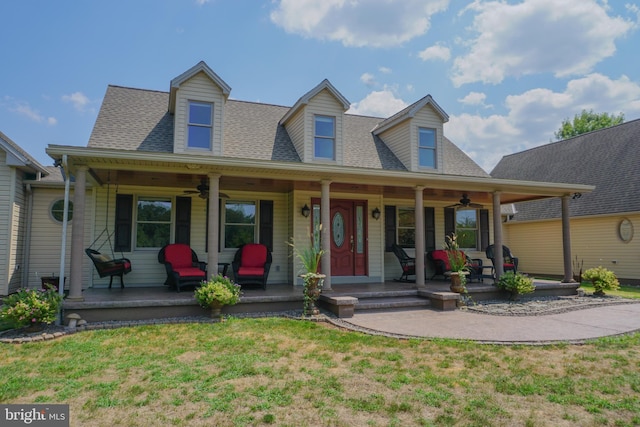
(506, 72)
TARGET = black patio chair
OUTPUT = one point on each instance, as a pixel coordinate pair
(510, 263)
(407, 263)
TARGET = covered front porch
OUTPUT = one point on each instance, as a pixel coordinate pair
(161, 302)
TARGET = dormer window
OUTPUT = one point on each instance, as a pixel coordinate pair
(324, 138)
(200, 126)
(427, 148)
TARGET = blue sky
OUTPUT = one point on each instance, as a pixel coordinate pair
(506, 72)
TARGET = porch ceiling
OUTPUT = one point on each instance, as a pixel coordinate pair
(186, 172)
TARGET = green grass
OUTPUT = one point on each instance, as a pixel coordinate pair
(625, 291)
(283, 372)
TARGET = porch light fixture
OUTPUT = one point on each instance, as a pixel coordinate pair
(305, 211)
(376, 214)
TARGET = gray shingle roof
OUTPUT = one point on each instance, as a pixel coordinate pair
(607, 158)
(133, 119)
(137, 119)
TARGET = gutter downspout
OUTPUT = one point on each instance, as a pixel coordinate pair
(27, 238)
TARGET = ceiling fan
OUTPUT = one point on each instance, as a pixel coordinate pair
(202, 190)
(465, 202)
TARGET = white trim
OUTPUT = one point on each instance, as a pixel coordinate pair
(304, 100)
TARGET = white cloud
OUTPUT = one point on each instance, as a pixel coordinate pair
(368, 79)
(385, 70)
(435, 53)
(534, 116)
(376, 23)
(381, 103)
(24, 109)
(475, 98)
(78, 99)
(537, 36)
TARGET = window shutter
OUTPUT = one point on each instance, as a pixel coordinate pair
(266, 223)
(389, 227)
(124, 222)
(449, 221)
(484, 229)
(429, 229)
(183, 220)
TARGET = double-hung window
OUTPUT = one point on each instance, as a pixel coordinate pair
(200, 126)
(467, 228)
(427, 147)
(406, 227)
(239, 223)
(153, 222)
(324, 146)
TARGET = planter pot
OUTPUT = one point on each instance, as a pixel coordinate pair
(456, 281)
(216, 310)
(312, 289)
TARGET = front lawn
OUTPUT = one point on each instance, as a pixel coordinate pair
(299, 373)
(625, 291)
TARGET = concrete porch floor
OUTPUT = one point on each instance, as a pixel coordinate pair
(158, 302)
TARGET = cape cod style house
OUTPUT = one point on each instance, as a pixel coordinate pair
(603, 222)
(192, 165)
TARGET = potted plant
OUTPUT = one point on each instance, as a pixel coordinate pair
(310, 256)
(217, 292)
(602, 279)
(516, 284)
(457, 264)
(32, 308)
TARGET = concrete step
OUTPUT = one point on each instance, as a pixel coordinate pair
(391, 303)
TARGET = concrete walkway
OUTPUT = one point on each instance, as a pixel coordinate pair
(573, 326)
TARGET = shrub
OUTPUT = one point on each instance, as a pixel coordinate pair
(516, 283)
(31, 307)
(220, 289)
(602, 279)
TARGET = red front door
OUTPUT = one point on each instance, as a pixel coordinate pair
(348, 237)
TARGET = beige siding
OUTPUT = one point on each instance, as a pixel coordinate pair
(398, 140)
(595, 240)
(427, 118)
(46, 237)
(198, 88)
(295, 129)
(5, 215)
(375, 249)
(326, 105)
(403, 139)
(146, 271)
(392, 266)
(17, 232)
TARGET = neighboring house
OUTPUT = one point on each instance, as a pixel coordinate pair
(191, 165)
(16, 168)
(603, 222)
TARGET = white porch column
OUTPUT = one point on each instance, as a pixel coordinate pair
(325, 220)
(566, 241)
(214, 219)
(419, 237)
(77, 235)
(497, 236)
